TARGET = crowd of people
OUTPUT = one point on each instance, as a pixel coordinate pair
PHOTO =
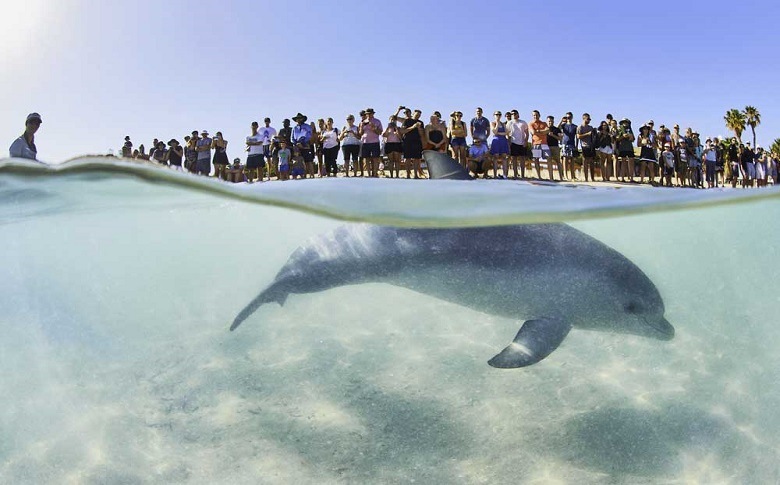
(508, 147)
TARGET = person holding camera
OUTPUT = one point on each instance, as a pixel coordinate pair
(412, 131)
(221, 162)
(329, 138)
(350, 145)
(370, 130)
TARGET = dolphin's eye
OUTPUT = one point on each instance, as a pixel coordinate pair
(632, 307)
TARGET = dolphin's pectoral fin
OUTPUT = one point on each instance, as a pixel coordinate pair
(267, 296)
(535, 341)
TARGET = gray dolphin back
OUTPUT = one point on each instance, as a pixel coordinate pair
(442, 166)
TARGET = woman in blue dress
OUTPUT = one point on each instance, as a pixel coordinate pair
(499, 147)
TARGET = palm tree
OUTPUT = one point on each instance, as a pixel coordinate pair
(753, 119)
(735, 121)
(775, 149)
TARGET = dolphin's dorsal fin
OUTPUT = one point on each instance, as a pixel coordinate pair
(443, 167)
(535, 341)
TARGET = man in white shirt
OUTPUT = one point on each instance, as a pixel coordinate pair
(24, 146)
(517, 130)
(255, 159)
(268, 133)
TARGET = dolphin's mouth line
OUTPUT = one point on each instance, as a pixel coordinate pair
(661, 327)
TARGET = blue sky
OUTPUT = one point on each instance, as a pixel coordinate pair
(97, 71)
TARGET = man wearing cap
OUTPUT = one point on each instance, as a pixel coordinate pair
(301, 138)
(24, 146)
(370, 129)
(203, 147)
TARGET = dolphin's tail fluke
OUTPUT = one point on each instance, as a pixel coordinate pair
(271, 294)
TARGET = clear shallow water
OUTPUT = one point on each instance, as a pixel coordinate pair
(117, 292)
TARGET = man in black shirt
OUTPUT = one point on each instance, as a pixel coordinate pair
(412, 130)
(554, 137)
(286, 132)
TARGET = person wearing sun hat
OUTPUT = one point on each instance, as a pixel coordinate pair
(24, 146)
(175, 154)
(301, 139)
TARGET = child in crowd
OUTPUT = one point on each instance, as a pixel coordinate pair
(298, 164)
(668, 161)
(282, 156)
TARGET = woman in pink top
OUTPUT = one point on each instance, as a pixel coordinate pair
(393, 147)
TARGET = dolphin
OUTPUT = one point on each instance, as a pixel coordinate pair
(551, 275)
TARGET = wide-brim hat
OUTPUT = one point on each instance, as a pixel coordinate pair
(300, 117)
(204, 132)
(625, 120)
(172, 141)
(370, 110)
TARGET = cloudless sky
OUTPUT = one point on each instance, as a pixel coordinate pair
(97, 71)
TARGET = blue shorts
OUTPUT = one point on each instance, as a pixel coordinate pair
(298, 172)
(370, 150)
(459, 141)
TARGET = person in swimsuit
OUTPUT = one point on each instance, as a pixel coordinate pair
(435, 135)
(457, 135)
(499, 147)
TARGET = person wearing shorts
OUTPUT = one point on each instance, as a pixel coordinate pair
(284, 156)
(478, 155)
(255, 159)
(370, 130)
(393, 146)
(268, 133)
(518, 146)
(585, 137)
(554, 138)
(457, 135)
(540, 150)
(350, 145)
(569, 149)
